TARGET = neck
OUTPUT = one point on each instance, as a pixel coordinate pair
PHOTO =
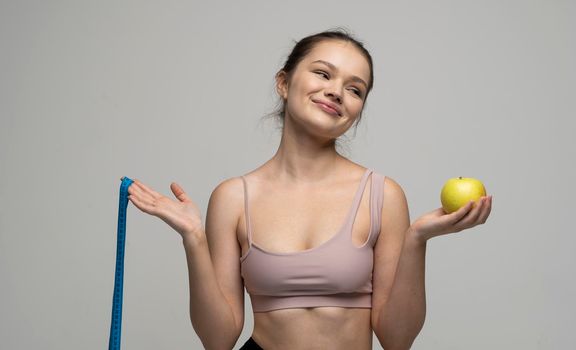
(303, 159)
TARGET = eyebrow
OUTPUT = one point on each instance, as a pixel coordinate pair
(354, 78)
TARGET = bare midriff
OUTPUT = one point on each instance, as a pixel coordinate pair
(314, 328)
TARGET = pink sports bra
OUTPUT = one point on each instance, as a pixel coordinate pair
(335, 273)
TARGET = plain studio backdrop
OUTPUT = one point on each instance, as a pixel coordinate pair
(169, 91)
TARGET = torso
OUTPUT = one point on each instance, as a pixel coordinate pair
(288, 219)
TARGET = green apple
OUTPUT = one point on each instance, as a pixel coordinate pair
(459, 191)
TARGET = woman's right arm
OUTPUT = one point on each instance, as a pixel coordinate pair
(213, 256)
(216, 287)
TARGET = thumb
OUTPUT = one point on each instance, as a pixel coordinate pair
(179, 192)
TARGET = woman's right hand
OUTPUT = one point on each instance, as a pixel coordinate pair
(182, 214)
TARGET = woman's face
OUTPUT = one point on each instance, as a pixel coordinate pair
(326, 91)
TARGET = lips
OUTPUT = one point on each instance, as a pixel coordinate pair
(329, 107)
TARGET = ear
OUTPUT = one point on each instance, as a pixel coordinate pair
(282, 84)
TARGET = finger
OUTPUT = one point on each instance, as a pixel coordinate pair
(179, 192)
(456, 216)
(471, 218)
(485, 211)
(146, 189)
(146, 204)
(141, 194)
(138, 203)
(136, 189)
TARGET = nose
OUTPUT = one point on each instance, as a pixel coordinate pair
(334, 93)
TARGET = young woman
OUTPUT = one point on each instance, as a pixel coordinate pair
(323, 245)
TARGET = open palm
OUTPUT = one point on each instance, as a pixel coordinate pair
(437, 222)
(181, 214)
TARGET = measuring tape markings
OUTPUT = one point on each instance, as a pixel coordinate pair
(116, 325)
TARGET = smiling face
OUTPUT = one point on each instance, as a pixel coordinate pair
(326, 91)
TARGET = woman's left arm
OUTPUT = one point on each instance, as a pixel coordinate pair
(398, 293)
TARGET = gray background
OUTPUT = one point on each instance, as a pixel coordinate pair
(175, 90)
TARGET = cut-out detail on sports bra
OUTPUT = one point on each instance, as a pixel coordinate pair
(348, 220)
(334, 273)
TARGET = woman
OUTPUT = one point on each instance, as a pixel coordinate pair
(323, 245)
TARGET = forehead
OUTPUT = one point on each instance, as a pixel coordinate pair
(344, 55)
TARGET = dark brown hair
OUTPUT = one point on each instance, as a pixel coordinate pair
(303, 47)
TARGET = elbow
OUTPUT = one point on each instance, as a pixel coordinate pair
(399, 338)
(405, 344)
(217, 339)
(219, 343)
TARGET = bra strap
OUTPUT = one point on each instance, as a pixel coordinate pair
(246, 212)
(358, 196)
(376, 199)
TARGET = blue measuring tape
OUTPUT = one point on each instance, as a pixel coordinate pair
(116, 326)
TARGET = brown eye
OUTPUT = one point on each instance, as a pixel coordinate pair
(323, 74)
(357, 92)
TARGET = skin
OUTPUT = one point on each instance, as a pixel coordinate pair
(313, 187)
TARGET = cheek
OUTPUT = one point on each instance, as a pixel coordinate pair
(301, 92)
(357, 106)
(308, 84)
(294, 103)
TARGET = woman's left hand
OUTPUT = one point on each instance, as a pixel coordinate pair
(437, 222)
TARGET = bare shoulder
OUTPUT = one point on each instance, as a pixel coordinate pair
(230, 189)
(226, 203)
(393, 190)
(395, 205)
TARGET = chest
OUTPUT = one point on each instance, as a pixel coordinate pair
(298, 220)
